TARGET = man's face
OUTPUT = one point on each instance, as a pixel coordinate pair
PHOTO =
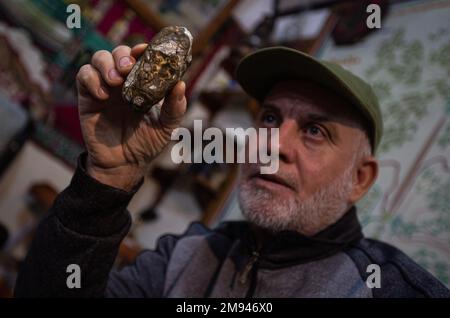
(319, 140)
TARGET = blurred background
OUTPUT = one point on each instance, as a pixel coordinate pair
(407, 61)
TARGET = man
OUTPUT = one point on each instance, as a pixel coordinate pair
(302, 238)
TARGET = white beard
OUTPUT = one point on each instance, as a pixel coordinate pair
(323, 208)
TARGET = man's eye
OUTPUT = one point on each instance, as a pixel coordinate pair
(314, 131)
(269, 119)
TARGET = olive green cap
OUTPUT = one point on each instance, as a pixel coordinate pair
(259, 71)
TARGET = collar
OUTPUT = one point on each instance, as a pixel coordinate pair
(289, 248)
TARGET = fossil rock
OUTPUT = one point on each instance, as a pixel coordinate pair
(160, 67)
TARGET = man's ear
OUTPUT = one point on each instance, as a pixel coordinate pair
(366, 174)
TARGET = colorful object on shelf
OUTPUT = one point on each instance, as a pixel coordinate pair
(162, 65)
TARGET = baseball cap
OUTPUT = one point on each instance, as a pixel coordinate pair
(259, 71)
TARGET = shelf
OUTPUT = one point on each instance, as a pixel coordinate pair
(146, 13)
(200, 40)
(213, 26)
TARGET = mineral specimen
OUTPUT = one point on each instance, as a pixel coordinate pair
(160, 67)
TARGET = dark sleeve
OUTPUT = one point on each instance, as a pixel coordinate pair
(401, 277)
(147, 276)
(84, 227)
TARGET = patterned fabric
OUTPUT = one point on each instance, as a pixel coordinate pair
(408, 63)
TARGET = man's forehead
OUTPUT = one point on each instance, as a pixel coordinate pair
(299, 97)
(308, 102)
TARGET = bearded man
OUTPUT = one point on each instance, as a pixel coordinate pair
(302, 237)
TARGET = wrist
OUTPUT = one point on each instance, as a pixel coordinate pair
(122, 177)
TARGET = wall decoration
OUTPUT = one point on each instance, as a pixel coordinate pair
(408, 64)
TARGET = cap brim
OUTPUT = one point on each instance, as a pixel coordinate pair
(258, 72)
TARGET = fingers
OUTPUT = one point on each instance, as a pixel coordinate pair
(123, 59)
(109, 69)
(90, 80)
(174, 106)
(138, 49)
(103, 61)
(115, 66)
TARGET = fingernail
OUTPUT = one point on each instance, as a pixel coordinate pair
(125, 61)
(102, 92)
(113, 74)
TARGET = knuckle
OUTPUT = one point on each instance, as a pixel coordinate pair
(99, 56)
(85, 73)
(120, 48)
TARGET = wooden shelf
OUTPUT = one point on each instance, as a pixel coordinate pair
(147, 14)
(213, 26)
(200, 40)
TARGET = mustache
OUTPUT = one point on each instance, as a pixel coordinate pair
(281, 177)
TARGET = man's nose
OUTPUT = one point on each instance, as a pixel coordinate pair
(288, 132)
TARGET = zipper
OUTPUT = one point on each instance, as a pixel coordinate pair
(243, 278)
(249, 271)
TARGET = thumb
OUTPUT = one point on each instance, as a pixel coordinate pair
(174, 106)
